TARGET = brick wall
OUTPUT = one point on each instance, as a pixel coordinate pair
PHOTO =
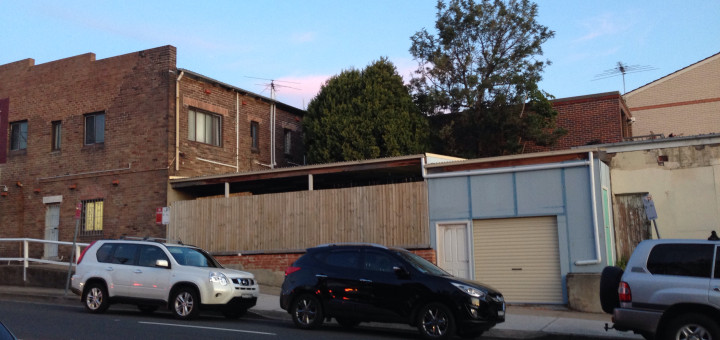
(280, 261)
(594, 119)
(686, 102)
(136, 93)
(237, 110)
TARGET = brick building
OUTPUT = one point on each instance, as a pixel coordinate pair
(592, 119)
(685, 102)
(110, 133)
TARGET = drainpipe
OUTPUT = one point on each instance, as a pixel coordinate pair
(598, 257)
(177, 121)
(237, 132)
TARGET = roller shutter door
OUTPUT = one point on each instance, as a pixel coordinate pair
(519, 257)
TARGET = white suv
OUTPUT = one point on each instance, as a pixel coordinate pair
(670, 289)
(151, 274)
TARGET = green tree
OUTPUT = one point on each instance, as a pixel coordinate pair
(363, 115)
(482, 69)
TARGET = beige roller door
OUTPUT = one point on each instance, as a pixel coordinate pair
(519, 257)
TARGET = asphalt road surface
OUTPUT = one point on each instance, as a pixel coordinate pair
(47, 321)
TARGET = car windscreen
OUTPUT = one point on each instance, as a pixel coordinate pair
(187, 256)
(421, 264)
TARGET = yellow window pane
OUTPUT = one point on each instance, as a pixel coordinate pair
(99, 215)
(89, 216)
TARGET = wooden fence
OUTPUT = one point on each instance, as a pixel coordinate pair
(393, 214)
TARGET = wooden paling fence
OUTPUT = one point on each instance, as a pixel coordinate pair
(393, 214)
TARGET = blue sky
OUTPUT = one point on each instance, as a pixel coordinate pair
(305, 42)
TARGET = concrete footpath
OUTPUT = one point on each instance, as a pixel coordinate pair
(521, 322)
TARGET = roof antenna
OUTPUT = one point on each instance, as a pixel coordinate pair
(622, 69)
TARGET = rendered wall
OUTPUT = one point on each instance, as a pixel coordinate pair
(685, 189)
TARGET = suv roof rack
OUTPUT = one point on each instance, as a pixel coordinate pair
(150, 239)
(353, 244)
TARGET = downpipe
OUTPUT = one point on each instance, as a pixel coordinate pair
(598, 257)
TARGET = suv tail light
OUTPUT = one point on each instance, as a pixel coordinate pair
(83, 252)
(290, 270)
(624, 292)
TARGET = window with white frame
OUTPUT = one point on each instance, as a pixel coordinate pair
(204, 127)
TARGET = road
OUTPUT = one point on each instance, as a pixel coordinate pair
(34, 320)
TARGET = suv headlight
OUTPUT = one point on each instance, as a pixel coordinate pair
(469, 290)
(219, 278)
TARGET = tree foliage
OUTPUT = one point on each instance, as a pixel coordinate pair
(481, 68)
(363, 115)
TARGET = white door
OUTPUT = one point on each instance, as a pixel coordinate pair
(52, 222)
(452, 247)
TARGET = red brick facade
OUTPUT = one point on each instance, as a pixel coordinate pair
(280, 261)
(129, 169)
(594, 119)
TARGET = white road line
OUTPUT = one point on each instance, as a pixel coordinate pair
(200, 327)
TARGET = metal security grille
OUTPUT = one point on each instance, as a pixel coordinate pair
(91, 220)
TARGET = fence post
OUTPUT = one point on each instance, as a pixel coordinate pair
(25, 259)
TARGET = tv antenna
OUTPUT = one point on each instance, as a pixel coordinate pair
(622, 69)
(272, 85)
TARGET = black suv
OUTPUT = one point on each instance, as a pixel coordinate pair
(356, 283)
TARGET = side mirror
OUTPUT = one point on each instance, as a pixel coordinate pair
(162, 264)
(401, 272)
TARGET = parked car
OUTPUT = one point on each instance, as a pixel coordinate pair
(150, 273)
(670, 289)
(5, 333)
(356, 283)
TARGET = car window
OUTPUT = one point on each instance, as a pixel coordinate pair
(125, 253)
(681, 259)
(717, 263)
(187, 256)
(421, 264)
(343, 259)
(104, 254)
(149, 256)
(380, 262)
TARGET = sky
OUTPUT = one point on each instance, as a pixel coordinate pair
(300, 44)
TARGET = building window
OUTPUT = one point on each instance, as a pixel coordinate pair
(254, 134)
(92, 217)
(95, 128)
(204, 127)
(18, 135)
(56, 135)
(287, 146)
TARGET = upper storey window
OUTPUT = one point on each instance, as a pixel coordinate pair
(204, 127)
(95, 128)
(18, 135)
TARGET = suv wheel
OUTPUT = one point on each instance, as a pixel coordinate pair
(185, 303)
(306, 312)
(95, 297)
(609, 281)
(435, 321)
(692, 326)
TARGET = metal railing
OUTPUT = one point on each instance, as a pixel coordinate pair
(26, 259)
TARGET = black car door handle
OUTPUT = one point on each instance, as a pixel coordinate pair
(365, 281)
(322, 276)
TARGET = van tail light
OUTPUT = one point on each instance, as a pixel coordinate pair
(83, 252)
(290, 270)
(624, 293)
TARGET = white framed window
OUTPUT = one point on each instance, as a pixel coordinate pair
(204, 127)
